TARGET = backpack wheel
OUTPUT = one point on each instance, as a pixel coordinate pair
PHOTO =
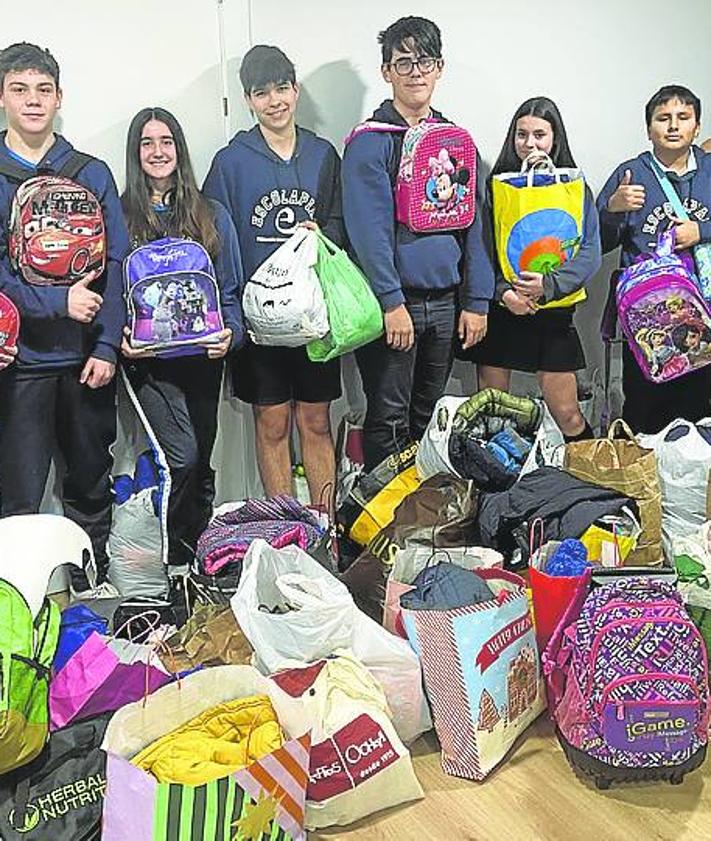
(676, 779)
(602, 783)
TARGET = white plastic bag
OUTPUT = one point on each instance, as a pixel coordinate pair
(282, 301)
(547, 446)
(433, 452)
(683, 463)
(358, 764)
(698, 547)
(319, 618)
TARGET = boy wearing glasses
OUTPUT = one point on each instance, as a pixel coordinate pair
(415, 276)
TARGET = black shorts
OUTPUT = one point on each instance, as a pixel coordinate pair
(546, 341)
(265, 376)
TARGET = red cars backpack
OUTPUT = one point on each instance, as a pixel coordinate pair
(56, 233)
(435, 187)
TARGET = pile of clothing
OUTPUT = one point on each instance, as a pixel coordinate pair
(280, 520)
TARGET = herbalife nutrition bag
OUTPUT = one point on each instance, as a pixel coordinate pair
(60, 795)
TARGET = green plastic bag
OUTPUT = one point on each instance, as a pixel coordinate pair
(354, 314)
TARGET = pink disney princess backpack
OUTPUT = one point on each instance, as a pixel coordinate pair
(435, 185)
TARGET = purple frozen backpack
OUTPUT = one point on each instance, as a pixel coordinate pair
(663, 315)
(172, 297)
(628, 684)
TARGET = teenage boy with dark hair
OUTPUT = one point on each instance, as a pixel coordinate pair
(633, 212)
(61, 389)
(273, 178)
(415, 276)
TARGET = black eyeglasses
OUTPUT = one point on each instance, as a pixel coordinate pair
(405, 66)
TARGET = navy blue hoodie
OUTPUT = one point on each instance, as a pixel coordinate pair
(268, 196)
(49, 339)
(638, 230)
(394, 258)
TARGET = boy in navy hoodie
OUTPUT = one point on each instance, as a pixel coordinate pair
(633, 212)
(61, 388)
(416, 277)
(271, 179)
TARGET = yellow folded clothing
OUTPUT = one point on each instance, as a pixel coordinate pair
(216, 743)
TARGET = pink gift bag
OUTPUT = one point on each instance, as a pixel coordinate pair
(101, 676)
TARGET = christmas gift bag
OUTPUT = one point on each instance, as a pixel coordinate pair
(482, 674)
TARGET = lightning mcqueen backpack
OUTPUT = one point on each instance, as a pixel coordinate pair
(435, 185)
(56, 231)
(628, 684)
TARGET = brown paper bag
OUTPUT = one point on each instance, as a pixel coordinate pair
(440, 513)
(624, 466)
(211, 637)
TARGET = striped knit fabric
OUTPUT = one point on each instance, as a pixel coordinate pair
(280, 520)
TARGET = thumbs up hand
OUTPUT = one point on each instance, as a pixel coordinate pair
(82, 303)
(627, 196)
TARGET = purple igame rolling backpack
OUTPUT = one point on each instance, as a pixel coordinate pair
(628, 684)
(172, 297)
(663, 315)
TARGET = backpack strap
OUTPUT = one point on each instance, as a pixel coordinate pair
(18, 174)
(15, 172)
(669, 190)
(74, 165)
(373, 125)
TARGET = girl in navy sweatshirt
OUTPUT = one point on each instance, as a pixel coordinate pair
(179, 396)
(521, 336)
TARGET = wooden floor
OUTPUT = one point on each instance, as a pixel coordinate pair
(535, 795)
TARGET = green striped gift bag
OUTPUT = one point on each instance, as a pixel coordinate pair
(265, 801)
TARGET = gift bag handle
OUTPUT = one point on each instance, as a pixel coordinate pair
(153, 623)
(536, 530)
(620, 423)
(538, 161)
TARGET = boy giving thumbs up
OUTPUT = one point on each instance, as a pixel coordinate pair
(60, 389)
(634, 210)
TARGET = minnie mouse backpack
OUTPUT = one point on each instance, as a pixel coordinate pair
(435, 185)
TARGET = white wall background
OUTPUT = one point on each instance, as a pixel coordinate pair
(599, 60)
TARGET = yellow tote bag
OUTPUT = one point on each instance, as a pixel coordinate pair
(538, 222)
